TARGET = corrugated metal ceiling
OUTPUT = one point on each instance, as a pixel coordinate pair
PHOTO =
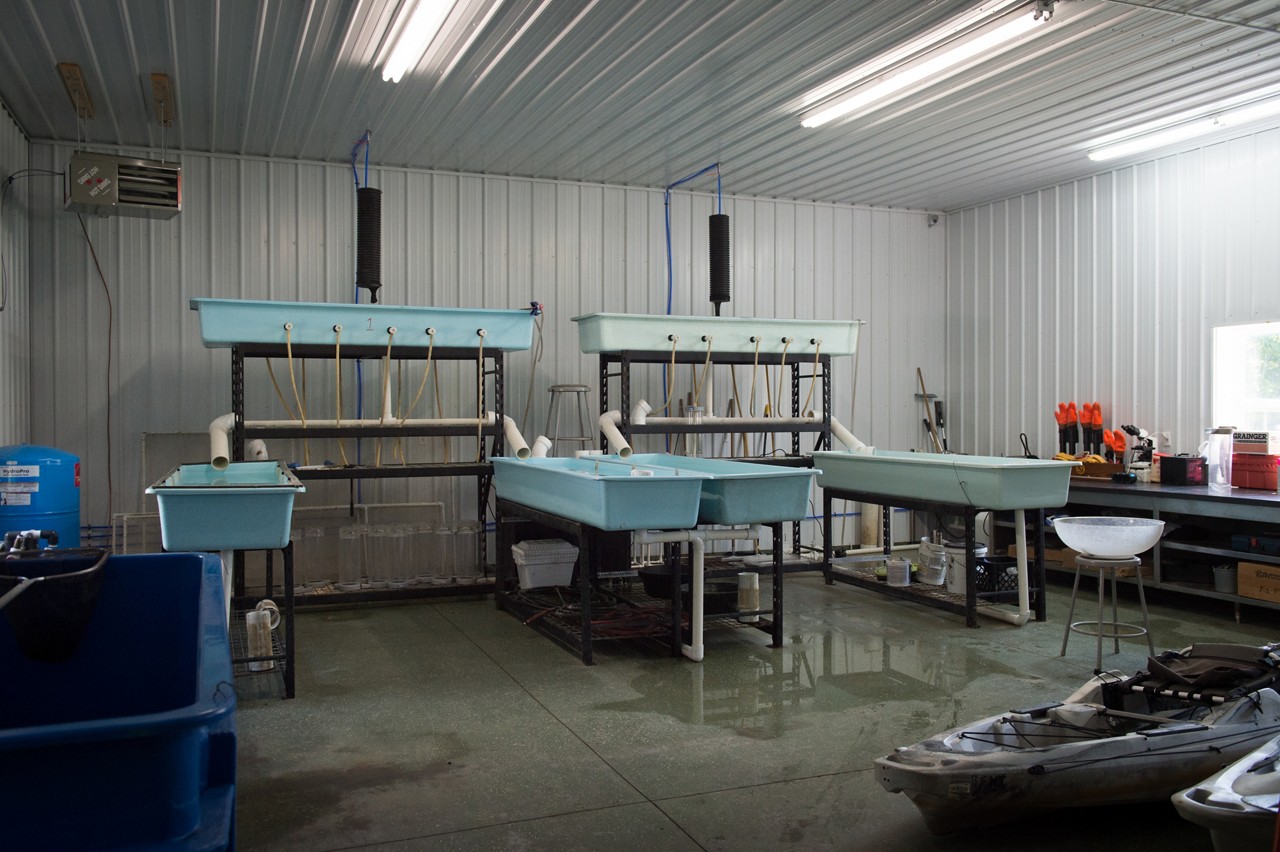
(637, 93)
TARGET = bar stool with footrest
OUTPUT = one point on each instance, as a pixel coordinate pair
(1114, 629)
(583, 439)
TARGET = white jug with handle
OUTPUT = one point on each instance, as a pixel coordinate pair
(1216, 450)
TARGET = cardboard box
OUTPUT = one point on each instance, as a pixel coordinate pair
(1258, 581)
(1260, 443)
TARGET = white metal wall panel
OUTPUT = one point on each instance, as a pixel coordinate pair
(15, 284)
(1106, 289)
(285, 230)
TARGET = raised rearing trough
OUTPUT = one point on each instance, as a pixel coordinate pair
(655, 332)
(227, 322)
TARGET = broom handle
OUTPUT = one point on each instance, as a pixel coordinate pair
(928, 411)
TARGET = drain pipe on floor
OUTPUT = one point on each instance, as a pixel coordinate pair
(697, 546)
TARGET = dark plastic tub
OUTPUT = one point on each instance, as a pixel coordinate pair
(131, 741)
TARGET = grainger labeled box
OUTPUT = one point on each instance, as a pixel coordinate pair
(1259, 581)
(1260, 443)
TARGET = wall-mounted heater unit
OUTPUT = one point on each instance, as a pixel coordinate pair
(107, 185)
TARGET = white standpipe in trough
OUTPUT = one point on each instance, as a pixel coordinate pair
(257, 450)
(541, 447)
(697, 545)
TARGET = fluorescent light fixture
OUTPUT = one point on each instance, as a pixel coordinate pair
(1188, 130)
(415, 37)
(881, 87)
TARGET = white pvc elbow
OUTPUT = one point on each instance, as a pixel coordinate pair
(220, 441)
(844, 436)
(609, 426)
(541, 447)
(515, 440)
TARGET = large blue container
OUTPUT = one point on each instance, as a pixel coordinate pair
(40, 490)
(132, 741)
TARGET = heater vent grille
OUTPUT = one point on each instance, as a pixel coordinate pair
(107, 185)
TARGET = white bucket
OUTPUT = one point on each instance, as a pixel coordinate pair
(933, 563)
(897, 572)
(956, 569)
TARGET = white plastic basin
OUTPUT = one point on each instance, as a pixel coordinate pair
(1108, 538)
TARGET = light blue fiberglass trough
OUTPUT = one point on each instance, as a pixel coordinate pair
(652, 332)
(986, 482)
(247, 506)
(226, 322)
(739, 492)
(600, 493)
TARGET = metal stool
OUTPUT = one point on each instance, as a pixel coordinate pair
(1113, 629)
(583, 439)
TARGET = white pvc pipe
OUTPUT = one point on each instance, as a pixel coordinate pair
(609, 426)
(541, 447)
(1024, 609)
(697, 545)
(844, 436)
(220, 441)
(514, 439)
(640, 412)
(257, 449)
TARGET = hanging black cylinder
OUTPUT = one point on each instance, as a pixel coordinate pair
(719, 259)
(369, 240)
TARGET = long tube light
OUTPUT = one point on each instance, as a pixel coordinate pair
(415, 37)
(892, 83)
(1188, 130)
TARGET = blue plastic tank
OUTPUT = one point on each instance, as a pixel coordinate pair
(40, 490)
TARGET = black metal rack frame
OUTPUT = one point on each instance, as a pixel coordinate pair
(969, 608)
(282, 647)
(626, 358)
(579, 639)
(481, 469)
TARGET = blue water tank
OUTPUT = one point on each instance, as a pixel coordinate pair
(40, 490)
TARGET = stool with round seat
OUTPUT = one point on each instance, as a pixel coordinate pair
(1101, 628)
(583, 439)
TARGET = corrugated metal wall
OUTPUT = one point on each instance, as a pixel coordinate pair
(1106, 289)
(284, 230)
(15, 338)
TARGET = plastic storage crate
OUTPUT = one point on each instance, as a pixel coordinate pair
(131, 741)
(247, 506)
(544, 562)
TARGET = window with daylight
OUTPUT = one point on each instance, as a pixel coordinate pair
(1246, 376)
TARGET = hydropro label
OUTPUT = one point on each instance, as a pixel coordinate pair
(8, 499)
(19, 471)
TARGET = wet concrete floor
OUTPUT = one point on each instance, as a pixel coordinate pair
(452, 726)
